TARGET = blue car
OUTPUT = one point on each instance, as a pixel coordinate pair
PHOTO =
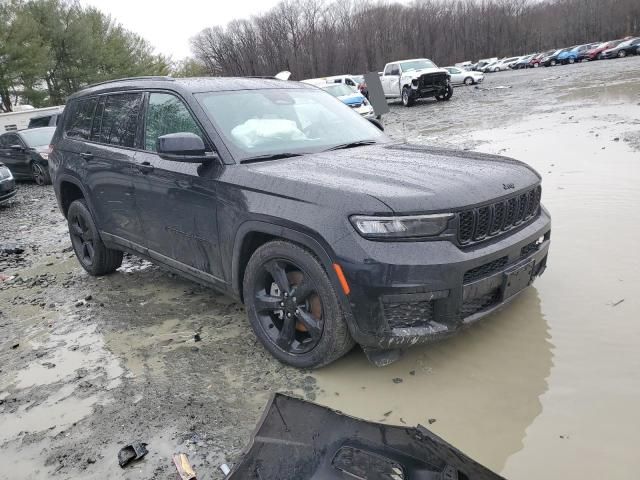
(351, 98)
(575, 53)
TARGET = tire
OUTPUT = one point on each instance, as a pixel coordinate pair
(554, 63)
(90, 251)
(407, 98)
(571, 60)
(599, 56)
(468, 81)
(284, 323)
(497, 69)
(40, 175)
(622, 54)
(536, 65)
(445, 97)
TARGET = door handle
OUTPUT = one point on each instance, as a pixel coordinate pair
(87, 156)
(144, 167)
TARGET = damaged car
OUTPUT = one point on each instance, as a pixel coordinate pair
(328, 231)
(410, 80)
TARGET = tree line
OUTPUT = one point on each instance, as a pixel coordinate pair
(314, 38)
(51, 48)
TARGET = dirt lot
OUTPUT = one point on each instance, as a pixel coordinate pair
(548, 388)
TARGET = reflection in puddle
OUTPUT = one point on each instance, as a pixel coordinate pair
(482, 384)
(604, 93)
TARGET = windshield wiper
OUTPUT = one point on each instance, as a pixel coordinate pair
(270, 156)
(359, 143)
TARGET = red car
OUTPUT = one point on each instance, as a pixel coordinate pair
(535, 60)
(595, 53)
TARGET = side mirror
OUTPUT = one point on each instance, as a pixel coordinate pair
(377, 123)
(182, 147)
(17, 148)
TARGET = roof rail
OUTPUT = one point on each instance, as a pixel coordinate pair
(147, 78)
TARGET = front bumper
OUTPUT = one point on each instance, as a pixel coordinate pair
(408, 293)
(7, 190)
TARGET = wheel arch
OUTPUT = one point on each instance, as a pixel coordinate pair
(253, 234)
(70, 189)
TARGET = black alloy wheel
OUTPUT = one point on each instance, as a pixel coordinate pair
(91, 252)
(82, 239)
(293, 307)
(288, 307)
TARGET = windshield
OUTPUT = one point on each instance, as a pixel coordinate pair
(338, 89)
(417, 65)
(289, 120)
(626, 43)
(38, 137)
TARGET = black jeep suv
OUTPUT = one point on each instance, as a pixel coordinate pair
(278, 194)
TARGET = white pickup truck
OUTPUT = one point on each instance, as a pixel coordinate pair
(413, 79)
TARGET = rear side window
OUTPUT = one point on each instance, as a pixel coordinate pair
(167, 114)
(120, 119)
(39, 122)
(78, 124)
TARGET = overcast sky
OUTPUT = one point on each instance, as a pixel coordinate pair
(170, 25)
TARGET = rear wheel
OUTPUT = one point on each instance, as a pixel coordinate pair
(293, 307)
(39, 174)
(445, 96)
(599, 56)
(571, 60)
(407, 97)
(468, 81)
(91, 252)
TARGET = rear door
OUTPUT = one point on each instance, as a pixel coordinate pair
(101, 133)
(16, 159)
(177, 200)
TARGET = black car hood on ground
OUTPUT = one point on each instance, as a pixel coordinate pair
(407, 178)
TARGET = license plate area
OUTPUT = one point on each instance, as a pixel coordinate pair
(517, 279)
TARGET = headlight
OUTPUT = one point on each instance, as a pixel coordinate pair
(5, 173)
(401, 227)
(44, 155)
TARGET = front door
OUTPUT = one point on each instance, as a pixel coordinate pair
(177, 201)
(391, 80)
(13, 153)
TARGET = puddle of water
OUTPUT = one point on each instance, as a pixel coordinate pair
(549, 387)
(482, 384)
(72, 350)
(604, 93)
(56, 413)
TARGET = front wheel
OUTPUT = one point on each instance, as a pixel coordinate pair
(92, 254)
(293, 307)
(39, 174)
(599, 56)
(445, 96)
(553, 63)
(468, 81)
(622, 54)
(407, 98)
(571, 60)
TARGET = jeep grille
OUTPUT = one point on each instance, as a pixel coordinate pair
(478, 224)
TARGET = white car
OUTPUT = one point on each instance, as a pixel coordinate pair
(464, 77)
(504, 64)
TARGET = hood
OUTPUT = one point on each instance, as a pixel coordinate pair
(422, 71)
(407, 178)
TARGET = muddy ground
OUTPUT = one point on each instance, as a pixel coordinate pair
(548, 388)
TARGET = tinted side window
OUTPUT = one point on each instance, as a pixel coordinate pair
(78, 123)
(3, 142)
(12, 140)
(120, 119)
(39, 122)
(167, 114)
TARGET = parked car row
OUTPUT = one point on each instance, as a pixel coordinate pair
(578, 53)
(25, 154)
